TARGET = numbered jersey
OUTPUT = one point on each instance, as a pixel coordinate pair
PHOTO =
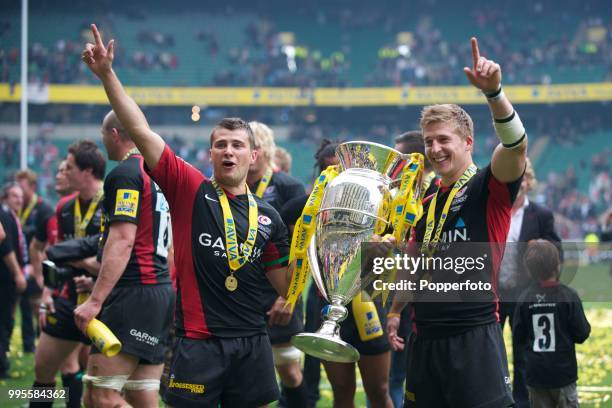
(131, 196)
(548, 321)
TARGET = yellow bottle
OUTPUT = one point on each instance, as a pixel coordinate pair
(103, 338)
(366, 317)
(82, 297)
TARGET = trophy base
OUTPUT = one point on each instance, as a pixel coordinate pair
(325, 347)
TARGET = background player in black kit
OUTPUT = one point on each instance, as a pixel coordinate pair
(456, 356)
(47, 234)
(12, 259)
(133, 293)
(277, 188)
(548, 322)
(34, 215)
(226, 243)
(78, 215)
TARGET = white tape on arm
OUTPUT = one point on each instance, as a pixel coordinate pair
(510, 130)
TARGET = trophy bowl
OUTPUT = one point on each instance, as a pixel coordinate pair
(355, 204)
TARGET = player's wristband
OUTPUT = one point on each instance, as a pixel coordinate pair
(510, 130)
(390, 315)
(496, 95)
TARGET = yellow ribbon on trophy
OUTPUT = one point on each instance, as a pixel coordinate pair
(406, 208)
(302, 234)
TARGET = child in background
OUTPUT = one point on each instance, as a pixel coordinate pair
(549, 321)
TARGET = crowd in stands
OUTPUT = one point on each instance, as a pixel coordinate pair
(61, 63)
(586, 210)
(418, 51)
(271, 58)
(428, 57)
(43, 156)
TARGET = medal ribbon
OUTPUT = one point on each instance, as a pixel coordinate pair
(235, 259)
(80, 225)
(23, 215)
(263, 183)
(302, 234)
(430, 243)
(130, 153)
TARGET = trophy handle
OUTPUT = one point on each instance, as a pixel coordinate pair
(313, 260)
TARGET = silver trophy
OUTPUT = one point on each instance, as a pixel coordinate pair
(355, 204)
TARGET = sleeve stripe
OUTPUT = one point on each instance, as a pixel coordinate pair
(518, 142)
(505, 120)
(277, 261)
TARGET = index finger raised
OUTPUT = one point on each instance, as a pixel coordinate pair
(475, 51)
(97, 35)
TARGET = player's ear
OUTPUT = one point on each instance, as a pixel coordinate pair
(254, 153)
(469, 143)
(116, 135)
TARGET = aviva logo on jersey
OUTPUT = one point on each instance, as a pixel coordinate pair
(127, 202)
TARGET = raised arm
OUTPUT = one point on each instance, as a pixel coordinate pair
(508, 161)
(99, 59)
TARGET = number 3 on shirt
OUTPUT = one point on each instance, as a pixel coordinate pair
(544, 332)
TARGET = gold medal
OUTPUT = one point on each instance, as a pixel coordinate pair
(231, 283)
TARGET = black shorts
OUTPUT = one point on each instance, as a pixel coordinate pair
(466, 370)
(61, 323)
(233, 372)
(350, 334)
(140, 317)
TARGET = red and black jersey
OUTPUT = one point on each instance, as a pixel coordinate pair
(66, 229)
(131, 196)
(479, 213)
(204, 307)
(46, 228)
(37, 221)
(65, 218)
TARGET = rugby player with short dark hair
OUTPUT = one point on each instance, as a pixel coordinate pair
(227, 241)
(13, 258)
(78, 215)
(457, 346)
(34, 216)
